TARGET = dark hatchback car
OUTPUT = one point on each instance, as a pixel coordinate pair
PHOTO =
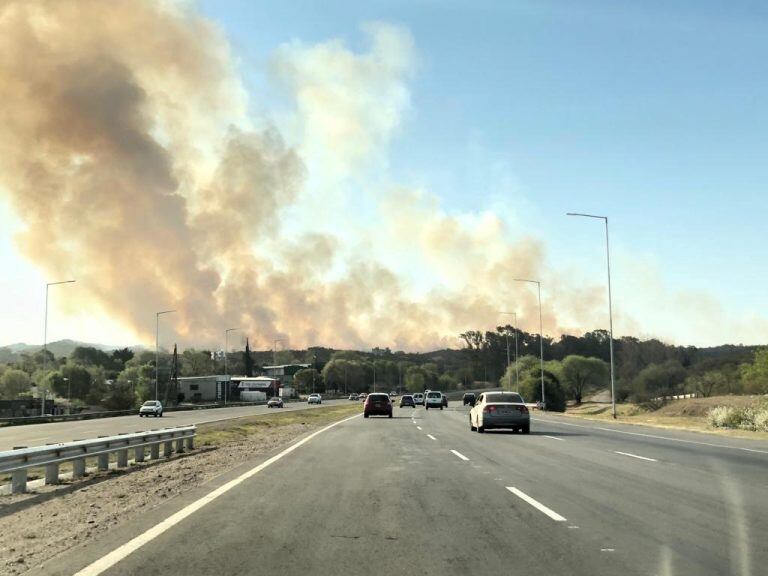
(445, 400)
(407, 400)
(377, 405)
(469, 398)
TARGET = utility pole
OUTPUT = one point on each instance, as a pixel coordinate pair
(45, 342)
(226, 369)
(157, 348)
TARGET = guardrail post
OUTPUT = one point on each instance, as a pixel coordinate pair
(190, 442)
(122, 458)
(52, 474)
(103, 462)
(138, 454)
(78, 468)
(154, 451)
(180, 445)
(167, 448)
(19, 481)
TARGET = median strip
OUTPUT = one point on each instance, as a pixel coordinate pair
(636, 456)
(536, 504)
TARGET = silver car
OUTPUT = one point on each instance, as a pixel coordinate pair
(151, 408)
(500, 410)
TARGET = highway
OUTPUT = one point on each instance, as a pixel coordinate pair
(421, 494)
(52, 432)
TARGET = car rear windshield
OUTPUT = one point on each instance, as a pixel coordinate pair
(504, 397)
(149, 403)
(407, 397)
(434, 395)
(378, 397)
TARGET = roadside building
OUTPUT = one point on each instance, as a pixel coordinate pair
(265, 384)
(204, 388)
(284, 372)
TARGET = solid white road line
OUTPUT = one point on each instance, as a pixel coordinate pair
(536, 504)
(636, 456)
(106, 562)
(460, 455)
(655, 436)
(430, 436)
(553, 437)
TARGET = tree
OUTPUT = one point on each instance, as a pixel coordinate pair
(657, 381)
(196, 363)
(89, 356)
(303, 380)
(581, 373)
(755, 375)
(119, 397)
(530, 382)
(248, 359)
(122, 356)
(14, 382)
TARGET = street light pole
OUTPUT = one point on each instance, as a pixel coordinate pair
(517, 364)
(69, 396)
(610, 303)
(541, 339)
(157, 348)
(226, 370)
(45, 341)
(274, 350)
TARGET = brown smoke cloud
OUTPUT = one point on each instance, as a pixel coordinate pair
(127, 151)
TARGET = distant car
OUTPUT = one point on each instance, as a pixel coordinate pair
(362, 396)
(275, 402)
(469, 398)
(353, 397)
(392, 394)
(407, 400)
(445, 401)
(418, 398)
(314, 399)
(151, 408)
(433, 400)
(377, 404)
(500, 410)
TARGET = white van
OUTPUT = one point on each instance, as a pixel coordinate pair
(434, 400)
(418, 398)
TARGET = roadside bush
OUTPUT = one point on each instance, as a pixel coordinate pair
(750, 418)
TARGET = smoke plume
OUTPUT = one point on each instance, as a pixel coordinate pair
(127, 149)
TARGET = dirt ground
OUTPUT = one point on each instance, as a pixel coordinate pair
(38, 525)
(687, 414)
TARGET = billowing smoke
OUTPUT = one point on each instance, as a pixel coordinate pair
(127, 149)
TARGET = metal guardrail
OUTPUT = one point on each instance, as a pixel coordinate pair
(19, 460)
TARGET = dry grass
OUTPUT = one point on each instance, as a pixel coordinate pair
(688, 414)
(218, 433)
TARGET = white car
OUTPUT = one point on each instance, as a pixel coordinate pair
(433, 400)
(314, 399)
(500, 410)
(151, 408)
(418, 398)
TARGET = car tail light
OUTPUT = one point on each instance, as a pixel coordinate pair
(523, 409)
(489, 409)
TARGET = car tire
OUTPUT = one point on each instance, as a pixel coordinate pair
(480, 429)
(526, 429)
(390, 414)
(441, 407)
(365, 415)
(471, 428)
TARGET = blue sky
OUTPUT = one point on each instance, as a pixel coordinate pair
(652, 113)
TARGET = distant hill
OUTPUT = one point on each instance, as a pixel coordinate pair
(58, 348)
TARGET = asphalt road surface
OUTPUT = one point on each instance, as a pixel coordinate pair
(53, 432)
(421, 494)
